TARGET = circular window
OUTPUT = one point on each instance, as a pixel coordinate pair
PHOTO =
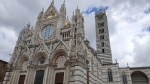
(48, 31)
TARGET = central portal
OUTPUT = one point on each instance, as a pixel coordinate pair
(39, 77)
(59, 78)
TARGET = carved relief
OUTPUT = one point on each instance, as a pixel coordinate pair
(61, 61)
(41, 61)
(24, 65)
(50, 14)
(67, 24)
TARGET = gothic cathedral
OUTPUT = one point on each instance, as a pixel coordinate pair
(55, 51)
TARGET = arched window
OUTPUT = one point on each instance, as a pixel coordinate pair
(124, 78)
(110, 77)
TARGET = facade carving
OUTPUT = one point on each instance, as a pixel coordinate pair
(55, 52)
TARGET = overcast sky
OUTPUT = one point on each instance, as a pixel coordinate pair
(128, 21)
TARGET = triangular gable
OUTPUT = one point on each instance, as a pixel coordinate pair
(61, 45)
(42, 48)
(51, 11)
(27, 51)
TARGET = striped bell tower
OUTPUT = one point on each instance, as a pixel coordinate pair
(102, 38)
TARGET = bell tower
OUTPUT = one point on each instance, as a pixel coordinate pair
(102, 38)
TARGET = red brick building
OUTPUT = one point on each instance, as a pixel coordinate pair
(3, 67)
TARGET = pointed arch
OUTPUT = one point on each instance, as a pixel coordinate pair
(136, 75)
(40, 57)
(55, 54)
(22, 59)
(59, 58)
(110, 76)
(22, 62)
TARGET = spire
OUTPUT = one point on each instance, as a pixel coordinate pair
(64, 2)
(43, 9)
(73, 13)
(127, 65)
(77, 11)
(41, 13)
(63, 8)
(52, 2)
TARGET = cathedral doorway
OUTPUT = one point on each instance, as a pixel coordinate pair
(139, 77)
(39, 77)
(21, 79)
(59, 78)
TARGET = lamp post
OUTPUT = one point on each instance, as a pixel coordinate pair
(87, 62)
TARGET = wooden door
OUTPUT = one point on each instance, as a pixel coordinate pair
(59, 78)
(21, 79)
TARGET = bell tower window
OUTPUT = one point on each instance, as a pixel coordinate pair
(101, 24)
(102, 44)
(101, 30)
(103, 51)
(102, 37)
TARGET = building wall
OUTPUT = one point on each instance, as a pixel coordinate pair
(3, 68)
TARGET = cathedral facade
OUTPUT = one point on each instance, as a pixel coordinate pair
(55, 51)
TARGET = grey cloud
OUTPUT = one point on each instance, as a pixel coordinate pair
(18, 13)
(31, 5)
(141, 51)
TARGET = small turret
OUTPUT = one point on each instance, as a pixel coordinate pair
(28, 26)
(41, 14)
(63, 10)
(62, 15)
(77, 12)
(78, 22)
(87, 43)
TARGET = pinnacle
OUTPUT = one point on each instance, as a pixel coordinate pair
(43, 9)
(64, 1)
(52, 2)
